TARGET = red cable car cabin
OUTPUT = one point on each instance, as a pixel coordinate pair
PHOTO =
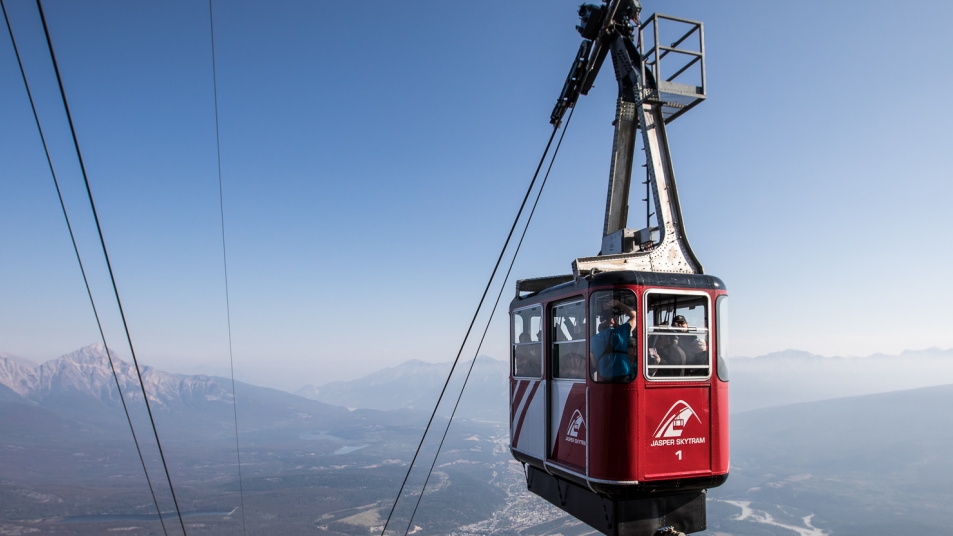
(657, 421)
(643, 415)
(618, 379)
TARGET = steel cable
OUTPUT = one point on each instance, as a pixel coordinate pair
(228, 308)
(82, 269)
(112, 277)
(466, 337)
(490, 320)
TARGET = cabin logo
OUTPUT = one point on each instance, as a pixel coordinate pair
(577, 423)
(675, 420)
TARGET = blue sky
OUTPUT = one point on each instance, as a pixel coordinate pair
(373, 156)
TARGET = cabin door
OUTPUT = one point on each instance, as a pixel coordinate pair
(676, 426)
(568, 409)
(528, 384)
(676, 432)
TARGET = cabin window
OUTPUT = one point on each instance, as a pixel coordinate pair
(721, 326)
(569, 340)
(677, 338)
(527, 345)
(613, 347)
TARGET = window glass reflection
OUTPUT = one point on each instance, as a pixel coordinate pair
(569, 340)
(527, 353)
(677, 336)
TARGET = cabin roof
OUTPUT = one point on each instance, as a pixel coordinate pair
(543, 287)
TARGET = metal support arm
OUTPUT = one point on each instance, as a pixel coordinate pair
(623, 140)
(673, 252)
(639, 107)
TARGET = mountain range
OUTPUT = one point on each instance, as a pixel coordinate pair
(794, 376)
(416, 385)
(85, 375)
(775, 379)
(80, 386)
(871, 464)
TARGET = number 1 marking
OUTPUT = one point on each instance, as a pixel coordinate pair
(679, 454)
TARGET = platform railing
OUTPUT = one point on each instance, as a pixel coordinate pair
(685, 87)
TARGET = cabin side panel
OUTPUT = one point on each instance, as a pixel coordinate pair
(614, 432)
(720, 453)
(527, 431)
(677, 439)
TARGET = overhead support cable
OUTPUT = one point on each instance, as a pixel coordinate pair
(466, 337)
(228, 309)
(112, 277)
(82, 269)
(496, 304)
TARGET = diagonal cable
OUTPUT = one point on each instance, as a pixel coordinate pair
(486, 290)
(102, 241)
(490, 320)
(82, 269)
(228, 308)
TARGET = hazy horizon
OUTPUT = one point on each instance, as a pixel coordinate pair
(821, 467)
(279, 382)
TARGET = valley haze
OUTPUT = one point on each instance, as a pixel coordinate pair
(808, 458)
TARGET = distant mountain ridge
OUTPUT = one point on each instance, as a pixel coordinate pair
(794, 376)
(86, 373)
(83, 377)
(906, 354)
(416, 384)
(80, 387)
(17, 359)
(775, 379)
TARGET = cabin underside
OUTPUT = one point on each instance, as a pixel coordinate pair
(684, 512)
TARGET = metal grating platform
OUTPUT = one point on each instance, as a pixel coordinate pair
(685, 60)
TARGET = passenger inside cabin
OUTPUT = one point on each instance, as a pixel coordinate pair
(527, 358)
(665, 350)
(531, 364)
(609, 348)
(694, 347)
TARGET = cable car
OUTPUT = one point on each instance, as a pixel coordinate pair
(618, 376)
